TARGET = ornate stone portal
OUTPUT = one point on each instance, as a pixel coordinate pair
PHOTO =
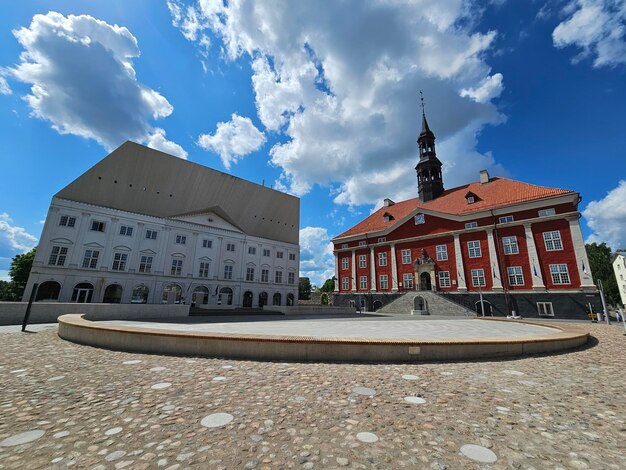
(424, 267)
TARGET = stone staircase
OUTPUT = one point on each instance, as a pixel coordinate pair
(437, 305)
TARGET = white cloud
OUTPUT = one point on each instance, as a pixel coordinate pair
(158, 141)
(607, 218)
(17, 237)
(233, 140)
(597, 27)
(316, 255)
(5, 89)
(343, 95)
(83, 82)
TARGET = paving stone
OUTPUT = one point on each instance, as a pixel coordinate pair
(370, 392)
(216, 420)
(478, 453)
(22, 438)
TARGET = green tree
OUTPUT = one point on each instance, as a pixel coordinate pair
(6, 291)
(601, 268)
(329, 285)
(19, 271)
(304, 288)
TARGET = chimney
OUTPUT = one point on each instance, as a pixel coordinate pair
(388, 202)
(484, 176)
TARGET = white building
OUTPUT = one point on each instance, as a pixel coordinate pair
(142, 226)
(619, 268)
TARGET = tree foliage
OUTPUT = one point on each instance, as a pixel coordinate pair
(19, 271)
(601, 269)
(329, 285)
(304, 288)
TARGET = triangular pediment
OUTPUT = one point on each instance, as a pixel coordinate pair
(210, 217)
(94, 245)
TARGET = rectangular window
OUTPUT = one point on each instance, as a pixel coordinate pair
(478, 278)
(382, 239)
(228, 271)
(90, 260)
(362, 261)
(249, 274)
(553, 240)
(291, 278)
(471, 225)
(119, 261)
(181, 239)
(230, 247)
(345, 283)
(442, 252)
(151, 234)
(471, 199)
(473, 249)
(559, 273)
(67, 221)
(292, 256)
(546, 212)
(505, 219)
(58, 256)
(407, 280)
(126, 231)
(204, 269)
(384, 281)
(362, 243)
(279, 254)
(419, 219)
(207, 243)
(363, 282)
(177, 267)
(510, 245)
(278, 277)
(145, 264)
(97, 226)
(406, 256)
(516, 277)
(382, 259)
(444, 278)
(266, 252)
(344, 245)
(265, 275)
(344, 263)
(252, 250)
(544, 309)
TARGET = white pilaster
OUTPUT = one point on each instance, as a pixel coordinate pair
(337, 280)
(494, 265)
(353, 277)
(460, 269)
(533, 259)
(372, 270)
(582, 262)
(394, 269)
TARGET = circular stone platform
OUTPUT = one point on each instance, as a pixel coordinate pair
(359, 339)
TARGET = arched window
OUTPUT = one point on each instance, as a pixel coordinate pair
(200, 295)
(172, 294)
(277, 298)
(140, 295)
(290, 300)
(112, 294)
(48, 290)
(262, 299)
(226, 296)
(82, 293)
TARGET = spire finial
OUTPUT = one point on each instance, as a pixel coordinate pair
(422, 100)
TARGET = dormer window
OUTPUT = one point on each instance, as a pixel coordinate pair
(387, 217)
(471, 198)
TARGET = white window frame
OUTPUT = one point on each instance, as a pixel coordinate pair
(510, 245)
(382, 239)
(67, 221)
(560, 274)
(553, 240)
(265, 275)
(516, 275)
(278, 277)
(292, 256)
(203, 271)
(471, 224)
(181, 239)
(362, 243)
(345, 263)
(471, 199)
(267, 252)
(249, 274)
(145, 263)
(90, 259)
(442, 252)
(206, 243)
(444, 279)
(119, 261)
(279, 255)
(252, 250)
(362, 261)
(546, 212)
(406, 256)
(382, 259)
(230, 247)
(291, 278)
(407, 280)
(344, 245)
(506, 219)
(58, 255)
(151, 234)
(98, 226)
(177, 267)
(126, 230)
(383, 281)
(478, 277)
(363, 282)
(345, 283)
(228, 271)
(473, 249)
(545, 309)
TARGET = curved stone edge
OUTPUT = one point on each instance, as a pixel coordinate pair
(309, 348)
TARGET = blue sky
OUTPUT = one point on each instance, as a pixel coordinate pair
(320, 99)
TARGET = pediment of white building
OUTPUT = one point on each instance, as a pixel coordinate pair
(211, 217)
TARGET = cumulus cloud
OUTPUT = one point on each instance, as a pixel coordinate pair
(16, 237)
(5, 89)
(597, 28)
(316, 255)
(83, 82)
(343, 95)
(233, 140)
(607, 218)
(158, 141)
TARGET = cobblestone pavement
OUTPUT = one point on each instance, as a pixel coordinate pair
(64, 405)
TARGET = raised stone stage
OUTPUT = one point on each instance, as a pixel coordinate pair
(365, 338)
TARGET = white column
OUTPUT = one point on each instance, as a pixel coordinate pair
(394, 269)
(191, 268)
(533, 259)
(373, 282)
(337, 280)
(133, 262)
(460, 269)
(494, 266)
(582, 262)
(353, 277)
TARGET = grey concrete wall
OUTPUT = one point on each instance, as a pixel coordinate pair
(12, 313)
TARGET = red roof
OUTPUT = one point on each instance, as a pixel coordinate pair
(498, 192)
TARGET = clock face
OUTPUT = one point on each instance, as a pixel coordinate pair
(419, 219)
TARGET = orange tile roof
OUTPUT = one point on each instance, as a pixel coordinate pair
(499, 192)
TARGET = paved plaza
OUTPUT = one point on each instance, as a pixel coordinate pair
(66, 405)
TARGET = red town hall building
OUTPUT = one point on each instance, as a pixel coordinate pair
(516, 246)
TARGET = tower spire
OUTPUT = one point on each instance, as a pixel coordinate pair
(429, 179)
